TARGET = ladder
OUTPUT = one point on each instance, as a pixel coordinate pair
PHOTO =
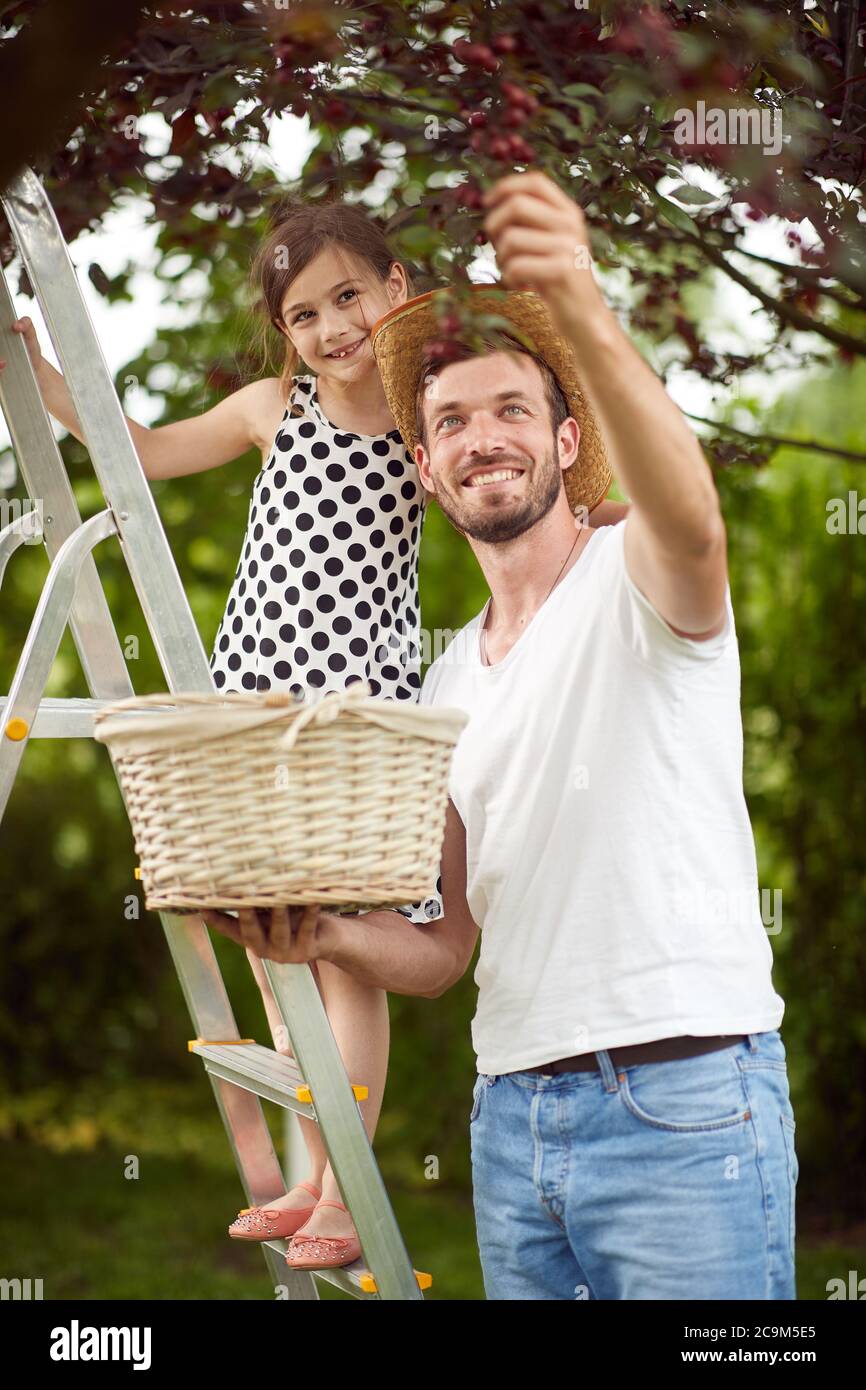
(241, 1073)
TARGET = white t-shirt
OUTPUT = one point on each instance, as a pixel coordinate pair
(610, 860)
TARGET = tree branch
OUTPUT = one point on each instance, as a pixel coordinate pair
(808, 276)
(788, 312)
(780, 441)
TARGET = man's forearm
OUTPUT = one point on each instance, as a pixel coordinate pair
(388, 951)
(655, 457)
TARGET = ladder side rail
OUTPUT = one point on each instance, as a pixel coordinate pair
(344, 1138)
(209, 1006)
(41, 466)
(126, 490)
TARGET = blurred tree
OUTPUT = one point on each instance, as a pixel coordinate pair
(415, 108)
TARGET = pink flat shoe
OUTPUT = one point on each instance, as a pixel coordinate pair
(272, 1223)
(323, 1252)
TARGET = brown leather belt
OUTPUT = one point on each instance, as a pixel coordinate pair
(662, 1050)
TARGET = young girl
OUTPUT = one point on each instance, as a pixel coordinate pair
(325, 592)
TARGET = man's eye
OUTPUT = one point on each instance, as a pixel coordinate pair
(446, 418)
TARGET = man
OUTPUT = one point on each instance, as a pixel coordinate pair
(631, 1126)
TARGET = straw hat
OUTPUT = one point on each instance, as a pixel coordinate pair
(398, 341)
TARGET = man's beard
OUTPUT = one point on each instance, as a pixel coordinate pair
(508, 522)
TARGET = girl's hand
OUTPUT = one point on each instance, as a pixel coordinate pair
(541, 242)
(27, 329)
(292, 935)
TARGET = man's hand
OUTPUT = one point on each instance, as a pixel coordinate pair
(292, 935)
(541, 242)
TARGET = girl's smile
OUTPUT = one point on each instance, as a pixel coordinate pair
(341, 354)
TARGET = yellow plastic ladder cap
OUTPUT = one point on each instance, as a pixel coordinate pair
(304, 1093)
(17, 729)
(369, 1285)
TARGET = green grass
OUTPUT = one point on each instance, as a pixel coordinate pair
(88, 1232)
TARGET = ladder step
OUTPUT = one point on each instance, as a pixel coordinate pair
(355, 1278)
(258, 1069)
(71, 718)
(261, 1070)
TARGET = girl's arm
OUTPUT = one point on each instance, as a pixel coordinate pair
(205, 441)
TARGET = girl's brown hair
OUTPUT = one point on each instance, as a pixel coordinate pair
(299, 231)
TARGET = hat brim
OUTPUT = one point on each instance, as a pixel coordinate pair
(399, 340)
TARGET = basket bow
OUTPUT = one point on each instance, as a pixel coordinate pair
(326, 711)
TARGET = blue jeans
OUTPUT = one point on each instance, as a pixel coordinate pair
(665, 1180)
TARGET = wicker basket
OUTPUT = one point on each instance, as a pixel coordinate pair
(243, 800)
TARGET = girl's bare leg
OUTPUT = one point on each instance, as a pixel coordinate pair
(296, 1197)
(358, 1015)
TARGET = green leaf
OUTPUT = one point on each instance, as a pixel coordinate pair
(384, 83)
(674, 215)
(688, 193)
(580, 89)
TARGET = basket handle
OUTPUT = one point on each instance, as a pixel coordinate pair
(198, 697)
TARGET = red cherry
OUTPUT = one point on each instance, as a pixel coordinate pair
(477, 141)
(478, 119)
(515, 116)
(500, 147)
(468, 53)
(505, 43)
(520, 150)
(441, 351)
(625, 40)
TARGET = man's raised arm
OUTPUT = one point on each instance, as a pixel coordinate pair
(675, 542)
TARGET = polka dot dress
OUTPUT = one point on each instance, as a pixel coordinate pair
(326, 589)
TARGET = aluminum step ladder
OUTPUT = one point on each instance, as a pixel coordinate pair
(240, 1072)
